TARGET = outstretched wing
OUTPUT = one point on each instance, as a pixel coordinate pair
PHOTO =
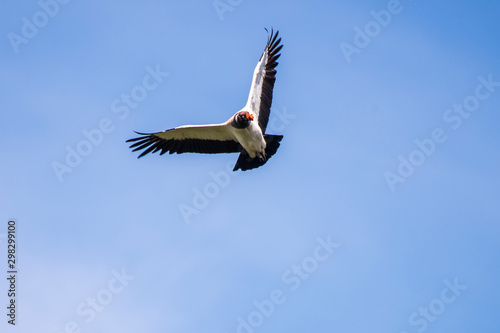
(204, 139)
(264, 76)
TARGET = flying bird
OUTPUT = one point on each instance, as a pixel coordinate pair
(243, 133)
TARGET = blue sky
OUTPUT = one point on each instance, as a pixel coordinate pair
(379, 212)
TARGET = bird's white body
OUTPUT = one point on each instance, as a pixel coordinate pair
(251, 139)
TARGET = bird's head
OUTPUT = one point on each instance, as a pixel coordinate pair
(242, 119)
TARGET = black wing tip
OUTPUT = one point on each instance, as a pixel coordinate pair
(141, 142)
(143, 136)
(272, 34)
(273, 42)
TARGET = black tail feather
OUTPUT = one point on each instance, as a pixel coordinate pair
(245, 162)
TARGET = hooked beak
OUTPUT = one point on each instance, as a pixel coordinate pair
(250, 116)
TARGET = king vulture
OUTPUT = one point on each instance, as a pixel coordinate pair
(243, 133)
